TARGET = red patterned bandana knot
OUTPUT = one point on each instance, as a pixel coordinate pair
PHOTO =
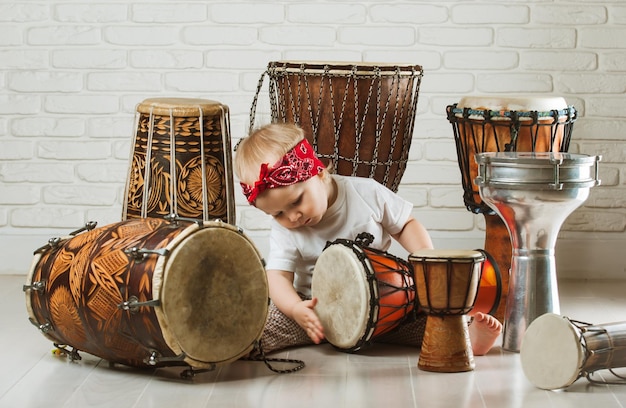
(298, 164)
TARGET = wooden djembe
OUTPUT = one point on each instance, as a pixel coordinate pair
(505, 124)
(150, 292)
(447, 284)
(358, 116)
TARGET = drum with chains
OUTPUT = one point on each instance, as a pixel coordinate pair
(151, 292)
(358, 116)
(181, 161)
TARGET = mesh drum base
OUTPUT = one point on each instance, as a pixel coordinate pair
(340, 284)
(215, 296)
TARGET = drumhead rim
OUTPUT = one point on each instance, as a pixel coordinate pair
(557, 170)
(531, 185)
(534, 157)
(172, 341)
(158, 281)
(181, 107)
(542, 104)
(445, 255)
(29, 281)
(345, 67)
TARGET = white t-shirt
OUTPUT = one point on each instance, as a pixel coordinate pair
(362, 205)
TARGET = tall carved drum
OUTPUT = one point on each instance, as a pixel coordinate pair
(505, 124)
(181, 161)
(358, 116)
(533, 193)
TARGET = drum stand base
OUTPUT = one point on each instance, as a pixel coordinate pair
(446, 347)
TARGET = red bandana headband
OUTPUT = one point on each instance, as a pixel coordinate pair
(298, 164)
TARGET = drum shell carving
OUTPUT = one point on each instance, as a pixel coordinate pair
(193, 182)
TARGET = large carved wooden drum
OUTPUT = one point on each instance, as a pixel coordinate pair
(150, 292)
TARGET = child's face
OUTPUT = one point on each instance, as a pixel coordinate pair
(300, 204)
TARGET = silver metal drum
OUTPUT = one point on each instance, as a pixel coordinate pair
(533, 193)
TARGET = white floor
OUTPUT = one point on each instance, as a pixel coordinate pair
(384, 376)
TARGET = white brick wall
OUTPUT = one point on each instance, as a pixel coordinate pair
(72, 73)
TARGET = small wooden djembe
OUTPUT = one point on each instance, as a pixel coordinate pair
(447, 284)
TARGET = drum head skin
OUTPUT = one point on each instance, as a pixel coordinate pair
(215, 294)
(551, 353)
(522, 104)
(340, 284)
(180, 107)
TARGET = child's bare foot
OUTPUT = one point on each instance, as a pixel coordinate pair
(483, 332)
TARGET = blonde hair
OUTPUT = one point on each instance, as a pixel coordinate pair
(267, 144)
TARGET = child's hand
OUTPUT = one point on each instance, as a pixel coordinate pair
(306, 317)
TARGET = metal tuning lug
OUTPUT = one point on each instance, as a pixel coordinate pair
(174, 219)
(44, 328)
(155, 358)
(139, 254)
(133, 304)
(87, 227)
(38, 286)
(52, 243)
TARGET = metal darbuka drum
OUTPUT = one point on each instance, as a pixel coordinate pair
(447, 285)
(557, 351)
(149, 292)
(498, 124)
(193, 180)
(533, 193)
(358, 116)
(362, 293)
